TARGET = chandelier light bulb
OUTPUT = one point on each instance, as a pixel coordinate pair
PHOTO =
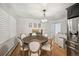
(44, 19)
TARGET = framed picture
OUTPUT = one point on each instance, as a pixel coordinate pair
(39, 25)
(30, 25)
(35, 25)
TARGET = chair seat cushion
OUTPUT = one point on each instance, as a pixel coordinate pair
(46, 47)
(23, 36)
(26, 47)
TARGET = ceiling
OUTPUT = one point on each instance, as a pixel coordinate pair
(54, 11)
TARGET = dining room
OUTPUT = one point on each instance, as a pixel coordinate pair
(34, 29)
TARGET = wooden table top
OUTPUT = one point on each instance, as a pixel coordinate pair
(40, 39)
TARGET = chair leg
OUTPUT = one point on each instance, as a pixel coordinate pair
(29, 53)
(39, 52)
(22, 53)
(25, 53)
(18, 52)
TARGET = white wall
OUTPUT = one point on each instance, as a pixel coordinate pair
(23, 25)
(7, 26)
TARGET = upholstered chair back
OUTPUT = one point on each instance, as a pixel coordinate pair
(34, 46)
(23, 36)
(20, 42)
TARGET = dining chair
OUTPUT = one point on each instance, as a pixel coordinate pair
(34, 48)
(46, 35)
(47, 47)
(23, 36)
(23, 48)
(34, 34)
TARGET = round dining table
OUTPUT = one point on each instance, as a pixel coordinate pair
(40, 39)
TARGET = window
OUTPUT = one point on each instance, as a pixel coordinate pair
(57, 27)
(30, 25)
(39, 25)
(35, 25)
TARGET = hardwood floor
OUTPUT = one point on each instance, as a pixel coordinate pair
(18, 52)
(56, 51)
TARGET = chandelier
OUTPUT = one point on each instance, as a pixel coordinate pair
(44, 16)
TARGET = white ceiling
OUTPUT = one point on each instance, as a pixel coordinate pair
(34, 10)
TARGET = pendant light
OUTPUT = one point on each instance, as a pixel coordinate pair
(44, 16)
